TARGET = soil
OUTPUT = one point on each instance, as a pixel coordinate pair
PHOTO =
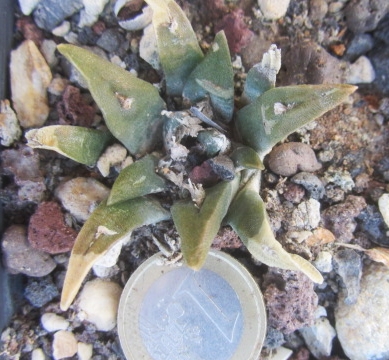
(351, 142)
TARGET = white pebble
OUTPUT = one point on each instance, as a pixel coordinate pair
(273, 10)
(110, 258)
(90, 14)
(84, 351)
(9, 126)
(99, 301)
(62, 29)
(361, 72)
(80, 196)
(48, 49)
(27, 6)
(52, 322)
(323, 262)
(105, 272)
(64, 344)
(383, 204)
(113, 155)
(38, 354)
(307, 215)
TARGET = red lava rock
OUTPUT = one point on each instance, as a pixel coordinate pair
(29, 30)
(290, 300)
(294, 193)
(73, 108)
(47, 230)
(226, 238)
(237, 33)
(301, 354)
(287, 159)
(203, 174)
(340, 218)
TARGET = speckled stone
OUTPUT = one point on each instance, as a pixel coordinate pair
(47, 230)
(363, 328)
(20, 257)
(9, 126)
(40, 291)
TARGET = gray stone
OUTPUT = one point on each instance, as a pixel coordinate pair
(223, 166)
(323, 262)
(363, 328)
(40, 291)
(318, 10)
(372, 224)
(318, 337)
(380, 60)
(20, 257)
(348, 265)
(364, 15)
(311, 183)
(359, 45)
(110, 40)
(50, 13)
(274, 338)
(382, 31)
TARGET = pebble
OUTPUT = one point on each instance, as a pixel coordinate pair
(62, 29)
(383, 204)
(348, 265)
(24, 164)
(20, 257)
(274, 338)
(99, 301)
(360, 72)
(48, 49)
(306, 216)
(358, 46)
(84, 351)
(323, 262)
(318, 337)
(293, 193)
(27, 6)
(110, 40)
(110, 258)
(52, 322)
(148, 48)
(30, 77)
(223, 167)
(90, 14)
(57, 86)
(48, 231)
(80, 196)
(38, 354)
(318, 10)
(112, 156)
(363, 16)
(291, 306)
(363, 328)
(64, 345)
(40, 291)
(311, 183)
(287, 159)
(371, 222)
(320, 236)
(380, 60)
(340, 218)
(341, 178)
(273, 10)
(50, 13)
(105, 272)
(9, 125)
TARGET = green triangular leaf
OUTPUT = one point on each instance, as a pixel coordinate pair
(136, 180)
(131, 107)
(106, 226)
(214, 77)
(245, 157)
(77, 143)
(247, 216)
(280, 111)
(178, 48)
(198, 227)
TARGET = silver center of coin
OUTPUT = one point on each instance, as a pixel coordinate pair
(191, 315)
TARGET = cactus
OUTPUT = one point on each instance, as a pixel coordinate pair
(138, 117)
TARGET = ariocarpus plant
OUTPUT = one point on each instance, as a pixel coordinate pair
(137, 116)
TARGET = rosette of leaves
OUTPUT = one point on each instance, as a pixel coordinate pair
(137, 116)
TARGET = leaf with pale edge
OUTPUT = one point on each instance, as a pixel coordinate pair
(131, 107)
(136, 180)
(280, 111)
(106, 226)
(245, 157)
(247, 216)
(198, 227)
(77, 143)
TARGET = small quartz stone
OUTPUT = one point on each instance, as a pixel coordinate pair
(27, 6)
(30, 77)
(80, 196)
(307, 215)
(273, 10)
(20, 257)
(112, 156)
(361, 72)
(323, 262)
(47, 230)
(90, 14)
(52, 322)
(383, 204)
(99, 301)
(48, 49)
(9, 126)
(84, 351)
(64, 345)
(38, 354)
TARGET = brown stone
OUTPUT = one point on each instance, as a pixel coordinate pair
(320, 236)
(47, 230)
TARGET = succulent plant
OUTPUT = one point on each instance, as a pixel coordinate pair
(233, 143)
